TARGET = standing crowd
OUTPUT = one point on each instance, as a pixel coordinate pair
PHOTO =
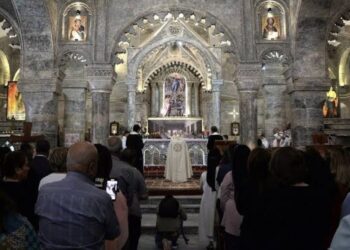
(58, 199)
(276, 199)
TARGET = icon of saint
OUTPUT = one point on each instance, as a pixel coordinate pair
(78, 31)
(270, 32)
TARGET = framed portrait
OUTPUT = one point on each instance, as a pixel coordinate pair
(15, 105)
(235, 128)
(271, 27)
(114, 128)
(77, 28)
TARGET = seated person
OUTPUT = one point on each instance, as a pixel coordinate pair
(169, 220)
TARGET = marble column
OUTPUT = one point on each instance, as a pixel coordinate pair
(131, 105)
(189, 100)
(249, 80)
(275, 87)
(216, 103)
(74, 111)
(100, 116)
(158, 107)
(154, 100)
(307, 97)
(40, 101)
(196, 100)
(161, 96)
(100, 83)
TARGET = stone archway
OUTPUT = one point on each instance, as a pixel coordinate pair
(37, 80)
(181, 29)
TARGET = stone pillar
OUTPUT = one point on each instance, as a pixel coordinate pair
(131, 104)
(158, 107)
(196, 100)
(40, 101)
(275, 87)
(216, 103)
(74, 111)
(249, 80)
(307, 98)
(161, 97)
(154, 100)
(100, 82)
(189, 100)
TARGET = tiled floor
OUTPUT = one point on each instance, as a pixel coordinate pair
(160, 186)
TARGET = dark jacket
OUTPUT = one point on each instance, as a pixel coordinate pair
(135, 143)
(214, 158)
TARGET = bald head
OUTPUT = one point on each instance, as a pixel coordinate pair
(82, 157)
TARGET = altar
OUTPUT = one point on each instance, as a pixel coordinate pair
(155, 154)
(165, 127)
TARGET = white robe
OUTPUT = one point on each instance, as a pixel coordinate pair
(178, 166)
(207, 211)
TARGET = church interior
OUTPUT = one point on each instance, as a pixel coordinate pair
(120, 67)
(86, 70)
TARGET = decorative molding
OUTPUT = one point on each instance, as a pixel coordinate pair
(249, 70)
(99, 70)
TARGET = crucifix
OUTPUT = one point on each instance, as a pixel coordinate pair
(234, 114)
(27, 135)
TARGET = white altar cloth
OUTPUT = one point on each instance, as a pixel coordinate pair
(178, 166)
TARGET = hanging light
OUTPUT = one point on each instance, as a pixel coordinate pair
(77, 14)
(269, 12)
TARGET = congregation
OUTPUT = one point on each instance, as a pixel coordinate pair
(270, 199)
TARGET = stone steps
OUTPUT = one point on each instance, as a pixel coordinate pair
(190, 204)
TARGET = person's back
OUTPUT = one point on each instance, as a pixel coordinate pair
(73, 212)
(293, 218)
(134, 142)
(169, 220)
(40, 166)
(293, 214)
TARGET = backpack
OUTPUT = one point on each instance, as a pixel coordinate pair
(169, 207)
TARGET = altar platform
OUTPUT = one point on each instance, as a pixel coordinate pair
(155, 153)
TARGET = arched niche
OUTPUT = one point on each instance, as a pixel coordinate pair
(5, 72)
(77, 23)
(271, 21)
(344, 68)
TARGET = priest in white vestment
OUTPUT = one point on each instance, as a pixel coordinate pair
(178, 166)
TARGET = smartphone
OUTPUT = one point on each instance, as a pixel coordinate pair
(112, 188)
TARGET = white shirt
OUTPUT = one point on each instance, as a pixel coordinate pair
(51, 178)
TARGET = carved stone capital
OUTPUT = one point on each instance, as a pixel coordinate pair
(38, 85)
(101, 86)
(216, 85)
(131, 87)
(249, 76)
(249, 70)
(98, 71)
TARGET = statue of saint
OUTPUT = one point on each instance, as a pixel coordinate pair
(270, 32)
(331, 104)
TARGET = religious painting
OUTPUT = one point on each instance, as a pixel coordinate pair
(114, 128)
(174, 102)
(235, 128)
(271, 27)
(77, 31)
(15, 105)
